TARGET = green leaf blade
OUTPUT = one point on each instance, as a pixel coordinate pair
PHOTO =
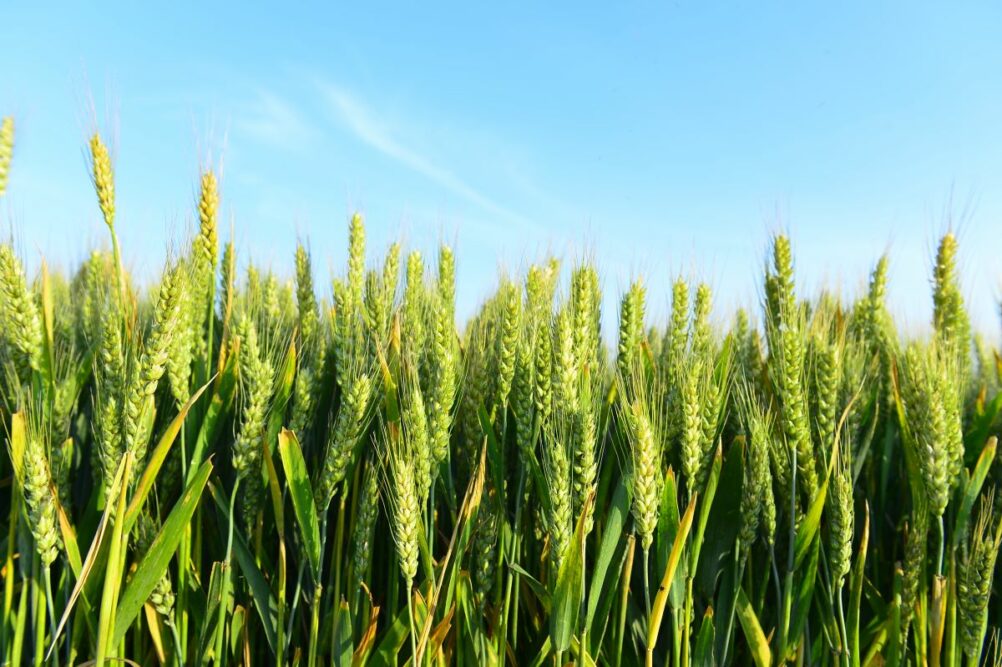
(301, 491)
(154, 564)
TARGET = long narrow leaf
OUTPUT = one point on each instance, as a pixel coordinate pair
(155, 462)
(758, 646)
(303, 501)
(154, 564)
(661, 598)
(619, 509)
(856, 589)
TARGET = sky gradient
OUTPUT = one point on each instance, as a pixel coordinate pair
(657, 137)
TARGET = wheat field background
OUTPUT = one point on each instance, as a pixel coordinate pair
(234, 468)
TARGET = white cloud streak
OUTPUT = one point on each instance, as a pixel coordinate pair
(272, 120)
(364, 124)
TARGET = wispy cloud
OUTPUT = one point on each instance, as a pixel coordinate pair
(370, 129)
(274, 121)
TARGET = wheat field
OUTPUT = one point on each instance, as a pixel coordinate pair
(245, 470)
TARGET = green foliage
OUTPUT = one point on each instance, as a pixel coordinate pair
(516, 488)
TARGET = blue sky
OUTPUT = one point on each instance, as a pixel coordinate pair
(658, 137)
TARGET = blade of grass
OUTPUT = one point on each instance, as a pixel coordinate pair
(154, 563)
(301, 491)
(661, 598)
